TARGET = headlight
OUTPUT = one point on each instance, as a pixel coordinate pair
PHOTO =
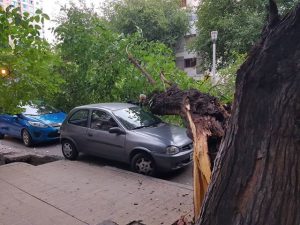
(172, 150)
(37, 124)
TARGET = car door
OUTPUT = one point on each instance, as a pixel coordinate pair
(10, 125)
(77, 129)
(4, 124)
(103, 143)
(15, 126)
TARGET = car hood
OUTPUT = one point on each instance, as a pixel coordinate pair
(52, 119)
(171, 134)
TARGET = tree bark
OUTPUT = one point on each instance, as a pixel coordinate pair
(256, 177)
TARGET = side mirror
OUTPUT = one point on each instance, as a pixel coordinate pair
(116, 130)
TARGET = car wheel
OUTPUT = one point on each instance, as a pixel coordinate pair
(69, 151)
(144, 164)
(1, 136)
(26, 138)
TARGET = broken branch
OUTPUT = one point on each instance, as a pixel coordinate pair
(138, 66)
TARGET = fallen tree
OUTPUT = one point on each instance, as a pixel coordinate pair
(206, 120)
(257, 171)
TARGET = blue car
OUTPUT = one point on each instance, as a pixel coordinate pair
(37, 123)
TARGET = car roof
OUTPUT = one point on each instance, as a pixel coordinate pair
(109, 106)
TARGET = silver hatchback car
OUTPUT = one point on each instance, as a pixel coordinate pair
(126, 133)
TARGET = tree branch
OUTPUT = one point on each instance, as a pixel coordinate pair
(137, 65)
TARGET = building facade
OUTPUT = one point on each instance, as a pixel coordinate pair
(186, 59)
(29, 6)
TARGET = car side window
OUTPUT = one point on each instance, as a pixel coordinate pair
(80, 118)
(102, 121)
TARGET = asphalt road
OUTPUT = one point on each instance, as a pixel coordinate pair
(182, 176)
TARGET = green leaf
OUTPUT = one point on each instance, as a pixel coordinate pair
(46, 16)
(38, 27)
(37, 18)
(38, 11)
(26, 14)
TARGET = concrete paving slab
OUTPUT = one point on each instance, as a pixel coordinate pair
(90, 194)
(19, 207)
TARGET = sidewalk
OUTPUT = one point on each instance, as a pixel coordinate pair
(65, 192)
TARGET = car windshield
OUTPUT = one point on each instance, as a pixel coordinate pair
(136, 117)
(37, 109)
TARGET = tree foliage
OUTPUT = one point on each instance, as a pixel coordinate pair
(239, 24)
(224, 87)
(159, 20)
(96, 66)
(28, 60)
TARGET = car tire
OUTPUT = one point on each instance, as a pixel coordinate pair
(69, 150)
(26, 138)
(144, 164)
(1, 136)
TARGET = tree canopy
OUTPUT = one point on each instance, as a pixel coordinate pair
(27, 62)
(96, 66)
(159, 20)
(239, 24)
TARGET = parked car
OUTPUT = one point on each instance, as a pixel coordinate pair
(126, 133)
(37, 123)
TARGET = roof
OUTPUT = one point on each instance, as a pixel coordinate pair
(109, 106)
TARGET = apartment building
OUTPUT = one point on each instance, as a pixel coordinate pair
(29, 6)
(185, 59)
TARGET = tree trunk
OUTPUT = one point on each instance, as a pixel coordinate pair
(256, 177)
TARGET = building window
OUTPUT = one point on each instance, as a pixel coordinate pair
(183, 3)
(24, 6)
(190, 62)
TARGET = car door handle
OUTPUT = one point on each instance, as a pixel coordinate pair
(90, 134)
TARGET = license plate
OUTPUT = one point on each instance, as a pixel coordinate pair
(191, 156)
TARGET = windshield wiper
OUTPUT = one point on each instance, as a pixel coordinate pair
(140, 127)
(150, 125)
(155, 123)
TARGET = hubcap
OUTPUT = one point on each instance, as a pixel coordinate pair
(144, 166)
(26, 137)
(67, 148)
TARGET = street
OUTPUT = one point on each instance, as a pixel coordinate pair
(182, 176)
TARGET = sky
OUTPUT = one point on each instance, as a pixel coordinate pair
(52, 8)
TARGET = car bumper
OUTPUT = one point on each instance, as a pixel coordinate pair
(173, 162)
(44, 134)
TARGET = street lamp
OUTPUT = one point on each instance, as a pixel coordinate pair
(214, 36)
(4, 72)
